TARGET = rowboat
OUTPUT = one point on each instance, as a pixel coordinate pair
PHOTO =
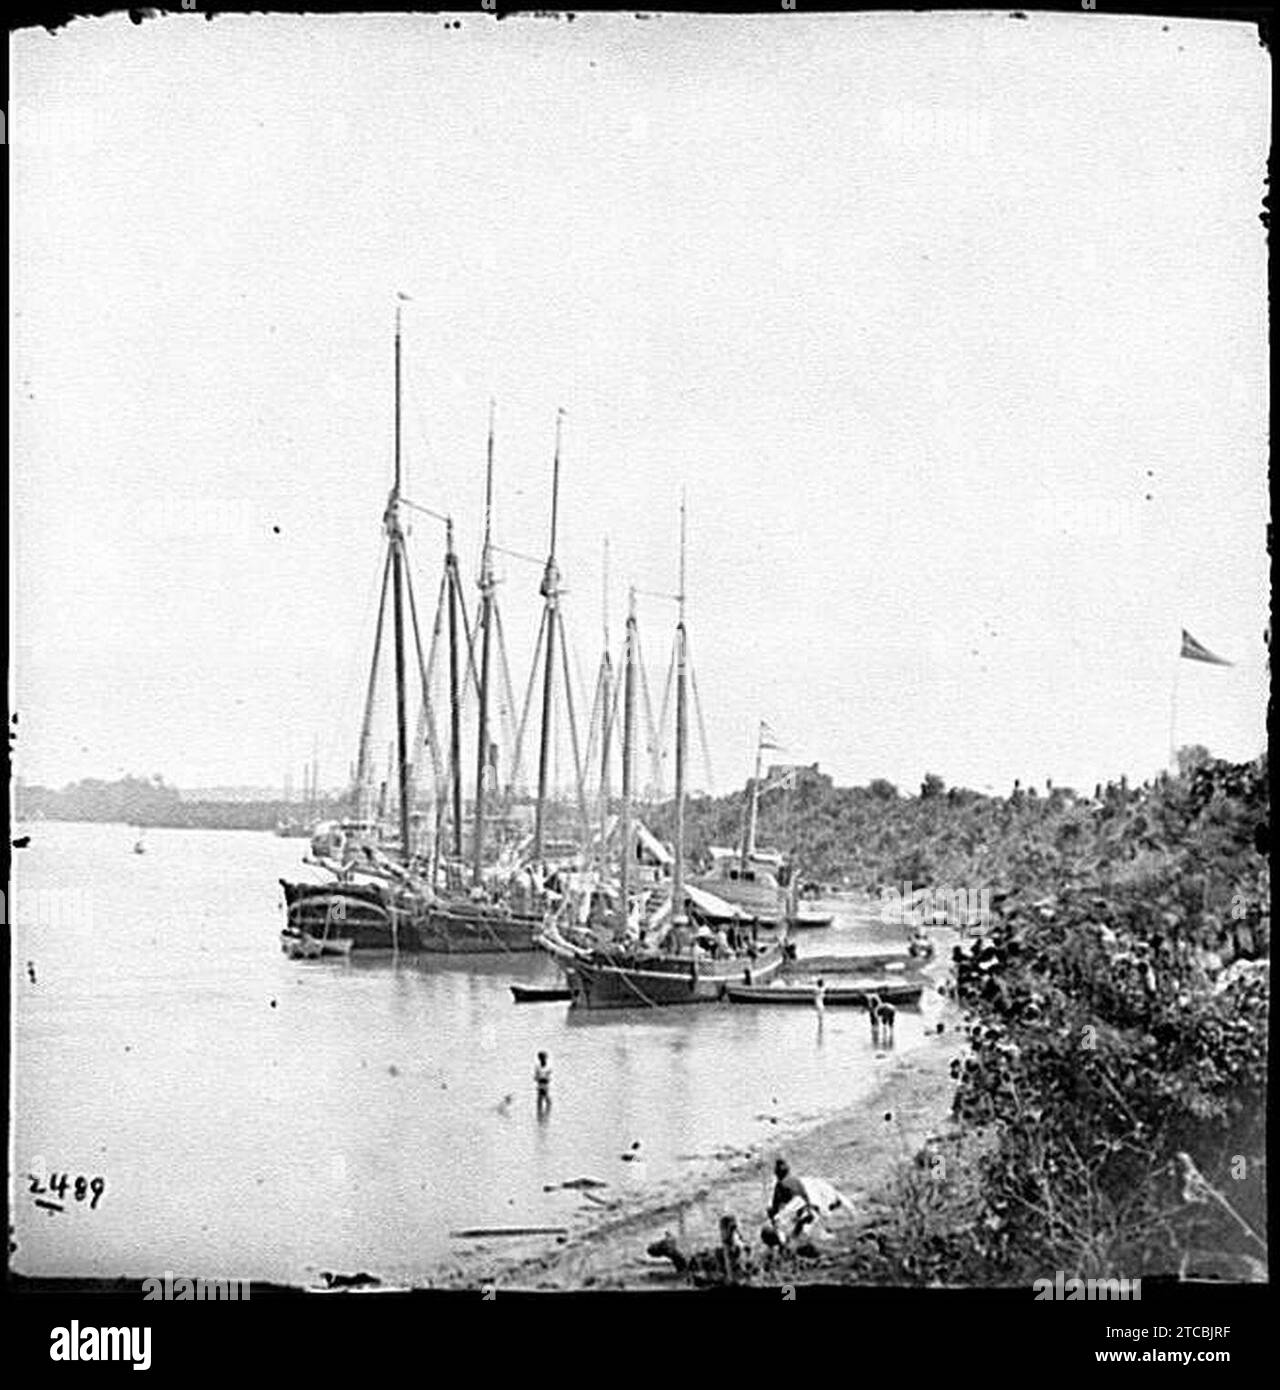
(303, 946)
(853, 995)
(540, 994)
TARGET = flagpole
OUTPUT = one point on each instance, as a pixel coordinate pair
(1173, 713)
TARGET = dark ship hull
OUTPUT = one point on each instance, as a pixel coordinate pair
(364, 914)
(616, 979)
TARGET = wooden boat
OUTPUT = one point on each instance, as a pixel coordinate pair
(752, 883)
(479, 918)
(618, 976)
(392, 915)
(370, 916)
(301, 946)
(761, 882)
(855, 995)
(668, 968)
(540, 994)
(384, 895)
(461, 928)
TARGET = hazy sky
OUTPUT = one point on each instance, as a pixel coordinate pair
(953, 327)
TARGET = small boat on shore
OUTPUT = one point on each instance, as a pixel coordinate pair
(302, 946)
(851, 995)
(540, 994)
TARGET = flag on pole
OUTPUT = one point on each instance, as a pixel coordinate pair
(768, 739)
(1194, 651)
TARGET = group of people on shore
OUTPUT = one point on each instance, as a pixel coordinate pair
(796, 1207)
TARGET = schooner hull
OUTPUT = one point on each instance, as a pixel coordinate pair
(661, 982)
(358, 913)
(365, 915)
(458, 932)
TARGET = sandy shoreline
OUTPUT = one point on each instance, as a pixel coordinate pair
(859, 1148)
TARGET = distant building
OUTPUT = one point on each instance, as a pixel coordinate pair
(803, 775)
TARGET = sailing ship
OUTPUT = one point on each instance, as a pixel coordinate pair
(760, 882)
(300, 827)
(386, 894)
(668, 964)
(496, 913)
(376, 910)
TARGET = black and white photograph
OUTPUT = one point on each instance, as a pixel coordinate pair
(639, 669)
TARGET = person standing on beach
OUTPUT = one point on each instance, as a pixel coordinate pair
(820, 996)
(542, 1081)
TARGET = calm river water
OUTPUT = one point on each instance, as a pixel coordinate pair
(255, 1117)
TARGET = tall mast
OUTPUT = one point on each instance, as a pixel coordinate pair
(625, 848)
(455, 708)
(753, 807)
(677, 869)
(396, 541)
(362, 773)
(606, 710)
(550, 591)
(486, 613)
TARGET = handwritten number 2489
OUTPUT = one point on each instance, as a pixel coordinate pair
(60, 1182)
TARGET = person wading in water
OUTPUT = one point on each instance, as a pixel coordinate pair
(542, 1082)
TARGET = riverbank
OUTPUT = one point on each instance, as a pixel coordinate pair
(859, 1149)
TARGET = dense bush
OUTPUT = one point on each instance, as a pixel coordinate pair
(1111, 1106)
(1117, 1017)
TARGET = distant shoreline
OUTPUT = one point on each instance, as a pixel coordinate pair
(193, 815)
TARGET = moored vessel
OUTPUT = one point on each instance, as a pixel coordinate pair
(761, 882)
(850, 994)
(672, 962)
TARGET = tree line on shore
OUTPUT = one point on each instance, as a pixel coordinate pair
(875, 837)
(1109, 1118)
